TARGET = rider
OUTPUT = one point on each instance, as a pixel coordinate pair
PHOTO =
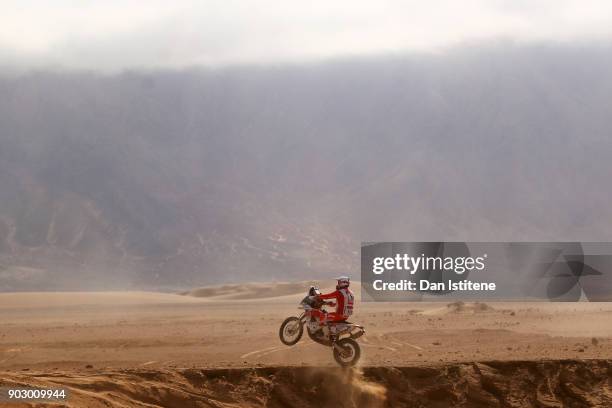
(344, 302)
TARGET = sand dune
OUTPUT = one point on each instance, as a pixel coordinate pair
(251, 290)
(34, 300)
(488, 384)
(461, 308)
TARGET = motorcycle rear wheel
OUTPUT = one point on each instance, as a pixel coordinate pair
(291, 331)
(350, 354)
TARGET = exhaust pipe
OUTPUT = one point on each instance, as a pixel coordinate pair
(358, 334)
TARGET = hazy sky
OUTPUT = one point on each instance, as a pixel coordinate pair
(117, 34)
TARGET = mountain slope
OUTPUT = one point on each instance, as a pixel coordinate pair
(174, 179)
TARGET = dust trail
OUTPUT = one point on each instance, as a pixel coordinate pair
(365, 393)
(344, 387)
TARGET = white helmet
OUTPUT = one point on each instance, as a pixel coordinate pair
(343, 282)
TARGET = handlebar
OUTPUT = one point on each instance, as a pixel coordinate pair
(327, 303)
(315, 302)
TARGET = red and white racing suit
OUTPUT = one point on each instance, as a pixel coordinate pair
(344, 306)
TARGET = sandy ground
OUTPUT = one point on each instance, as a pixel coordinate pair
(132, 329)
(80, 335)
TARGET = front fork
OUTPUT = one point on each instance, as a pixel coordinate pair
(302, 318)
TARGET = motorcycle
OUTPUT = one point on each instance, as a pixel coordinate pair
(340, 336)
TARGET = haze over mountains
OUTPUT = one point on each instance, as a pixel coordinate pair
(172, 179)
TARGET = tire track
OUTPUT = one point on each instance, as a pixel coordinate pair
(269, 350)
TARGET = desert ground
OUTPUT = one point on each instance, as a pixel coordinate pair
(219, 346)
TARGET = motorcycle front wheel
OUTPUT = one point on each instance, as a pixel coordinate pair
(291, 331)
(347, 352)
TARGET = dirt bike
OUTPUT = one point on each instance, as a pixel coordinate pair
(341, 337)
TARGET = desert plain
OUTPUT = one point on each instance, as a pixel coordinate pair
(219, 346)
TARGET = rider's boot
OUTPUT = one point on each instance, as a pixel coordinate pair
(332, 333)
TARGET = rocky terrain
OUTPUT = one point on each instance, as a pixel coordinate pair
(569, 383)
